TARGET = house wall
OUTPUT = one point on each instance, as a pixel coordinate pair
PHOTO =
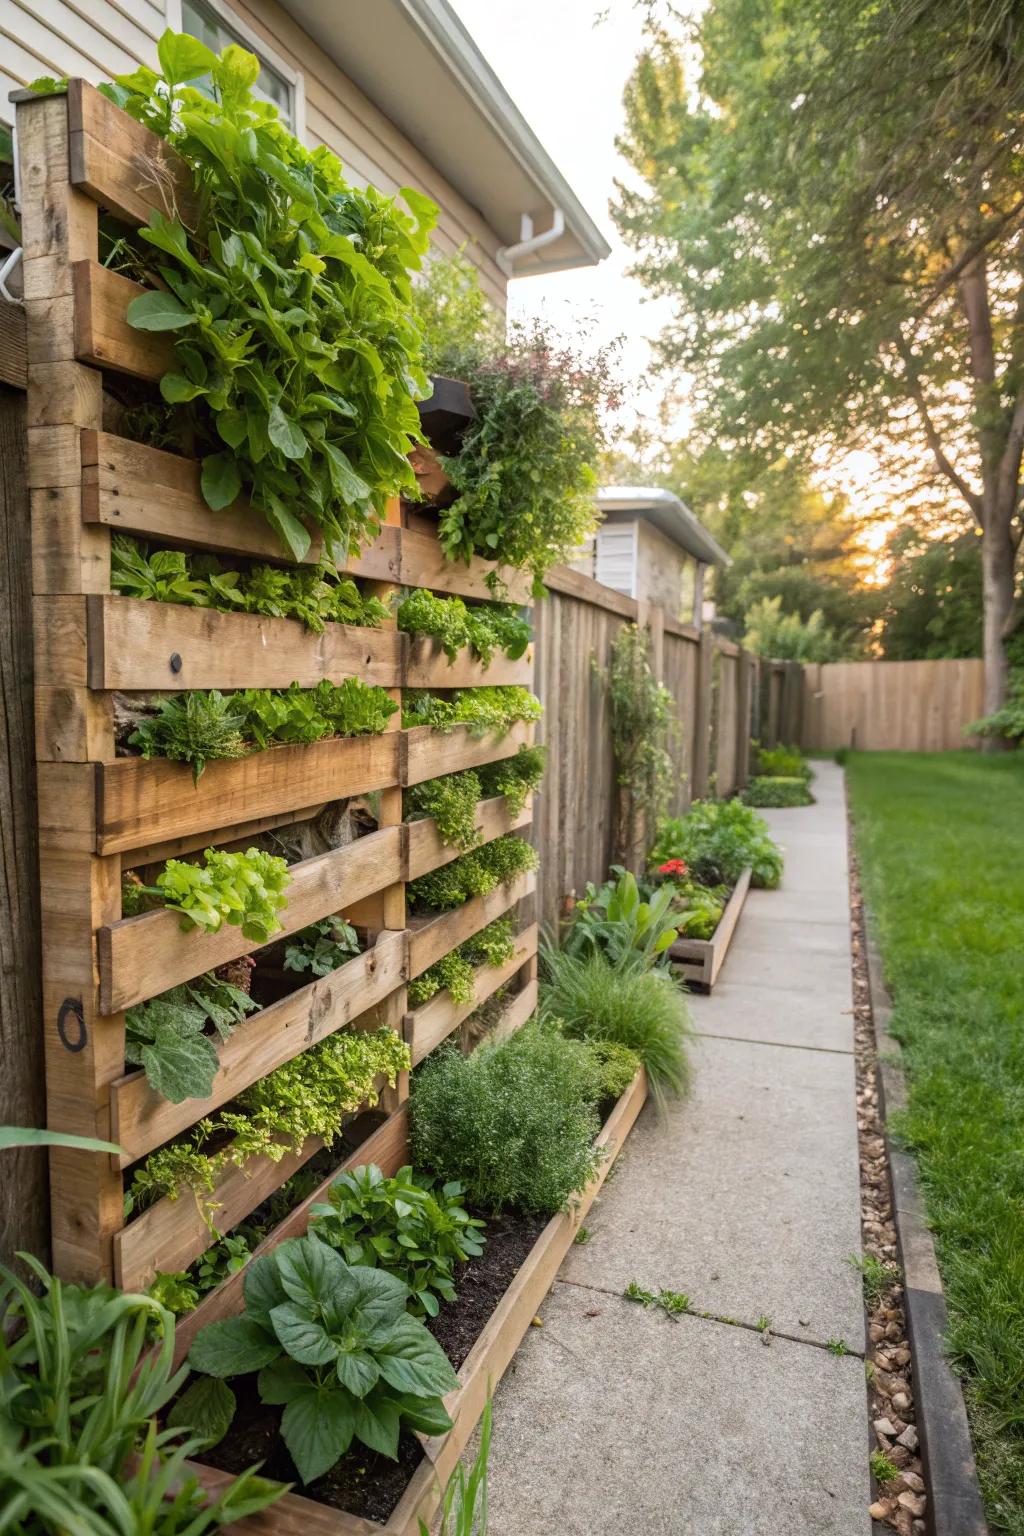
(664, 572)
(49, 37)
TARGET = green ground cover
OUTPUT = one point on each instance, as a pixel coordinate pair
(940, 839)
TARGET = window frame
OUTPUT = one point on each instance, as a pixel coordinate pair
(258, 45)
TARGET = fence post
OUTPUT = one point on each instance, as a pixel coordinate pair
(701, 757)
(744, 693)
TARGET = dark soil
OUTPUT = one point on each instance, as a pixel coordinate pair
(363, 1482)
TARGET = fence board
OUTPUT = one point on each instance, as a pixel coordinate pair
(891, 706)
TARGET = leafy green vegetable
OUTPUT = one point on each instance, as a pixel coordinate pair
(297, 355)
(335, 1347)
(482, 629)
(476, 873)
(167, 1035)
(635, 935)
(514, 777)
(247, 889)
(315, 597)
(322, 947)
(452, 802)
(482, 709)
(406, 1225)
(718, 839)
(515, 1122)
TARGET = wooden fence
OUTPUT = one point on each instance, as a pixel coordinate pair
(890, 706)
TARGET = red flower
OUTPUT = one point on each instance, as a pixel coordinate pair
(672, 867)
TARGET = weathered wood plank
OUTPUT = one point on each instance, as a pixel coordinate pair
(123, 166)
(428, 667)
(140, 803)
(426, 1027)
(142, 956)
(430, 938)
(424, 565)
(430, 753)
(137, 645)
(142, 1119)
(428, 851)
(103, 336)
(522, 1007)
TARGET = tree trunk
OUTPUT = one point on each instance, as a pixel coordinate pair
(997, 562)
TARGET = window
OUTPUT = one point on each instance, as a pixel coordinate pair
(200, 20)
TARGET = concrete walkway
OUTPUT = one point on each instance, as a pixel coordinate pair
(615, 1420)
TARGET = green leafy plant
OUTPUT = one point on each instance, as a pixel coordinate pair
(195, 728)
(783, 762)
(618, 1065)
(476, 873)
(882, 1469)
(514, 1123)
(877, 1276)
(634, 934)
(788, 637)
(81, 1383)
(484, 710)
(514, 777)
(297, 355)
(167, 1036)
(407, 1224)
(246, 890)
(307, 1096)
(718, 839)
(314, 596)
(175, 1291)
(643, 727)
(493, 945)
(482, 629)
(837, 1346)
(1007, 722)
(780, 791)
(322, 947)
(673, 1303)
(452, 802)
(644, 1010)
(336, 1348)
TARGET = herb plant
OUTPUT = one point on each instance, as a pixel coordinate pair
(482, 629)
(476, 873)
(514, 777)
(167, 1035)
(779, 791)
(618, 1064)
(452, 802)
(194, 728)
(82, 1383)
(245, 889)
(336, 1348)
(783, 762)
(493, 945)
(718, 839)
(322, 947)
(482, 709)
(297, 355)
(407, 1225)
(307, 1096)
(315, 597)
(514, 1122)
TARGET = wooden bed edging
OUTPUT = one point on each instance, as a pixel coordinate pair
(701, 960)
(483, 1368)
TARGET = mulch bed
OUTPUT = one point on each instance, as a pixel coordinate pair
(364, 1482)
(901, 1502)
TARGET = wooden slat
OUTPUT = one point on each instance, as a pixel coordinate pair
(701, 959)
(586, 590)
(293, 1515)
(431, 754)
(522, 1007)
(139, 802)
(123, 166)
(142, 956)
(103, 335)
(13, 354)
(436, 936)
(137, 645)
(387, 1147)
(427, 850)
(142, 1119)
(426, 1027)
(427, 666)
(424, 565)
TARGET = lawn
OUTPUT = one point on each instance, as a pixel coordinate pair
(941, 844)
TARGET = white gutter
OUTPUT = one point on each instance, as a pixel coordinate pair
(507, 256)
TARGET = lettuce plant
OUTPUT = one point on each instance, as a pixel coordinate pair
(718, 839)
(482, 629)
(635, 934)
(482, 709)
(335, 1348)
(322, 947)
(244, 889)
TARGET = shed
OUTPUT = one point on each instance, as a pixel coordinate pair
(651, 546)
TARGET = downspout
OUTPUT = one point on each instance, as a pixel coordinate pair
(529, 242)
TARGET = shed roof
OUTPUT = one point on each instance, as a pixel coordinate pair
(419, 64)
(670, 515)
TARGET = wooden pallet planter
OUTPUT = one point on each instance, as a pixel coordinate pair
(430, 753)
(480, 1373)
(427, 850)
(700, 960)
(432, 937)
(427, 666)
(425, 1028)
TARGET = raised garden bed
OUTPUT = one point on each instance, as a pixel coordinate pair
(700, 960)
(424, 1464)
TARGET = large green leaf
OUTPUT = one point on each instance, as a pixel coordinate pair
(262, 1289)
(304, 1337)
(232, 1348)
(377, 1424)
(179, 1066)
(282, 1382)
(206, 1409)
(183, 57)
(317, 1428)
(310, 1272)
(357, 1371)
(221, 481)
(158, 311)
(381, 1299)
(286, 434)
(412, 1361)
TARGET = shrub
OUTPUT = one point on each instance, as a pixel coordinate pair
(777, 791)
(617, 1064)
(783, 762)
(717, 839)
(788, 637)
(1007, 722)
(645, 1011)
(514, 1122)
(406, 1225)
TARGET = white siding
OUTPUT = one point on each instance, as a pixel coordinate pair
(615, 558)
(91, 38)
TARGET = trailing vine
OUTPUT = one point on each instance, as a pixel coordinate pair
(644, 727)
(297, 353)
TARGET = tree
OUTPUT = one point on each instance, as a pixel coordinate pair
(838, 210)
(786, 636)
(932, 602)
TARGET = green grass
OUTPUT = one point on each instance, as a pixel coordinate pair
(940, 839)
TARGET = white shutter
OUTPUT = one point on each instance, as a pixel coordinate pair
(615, 562)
